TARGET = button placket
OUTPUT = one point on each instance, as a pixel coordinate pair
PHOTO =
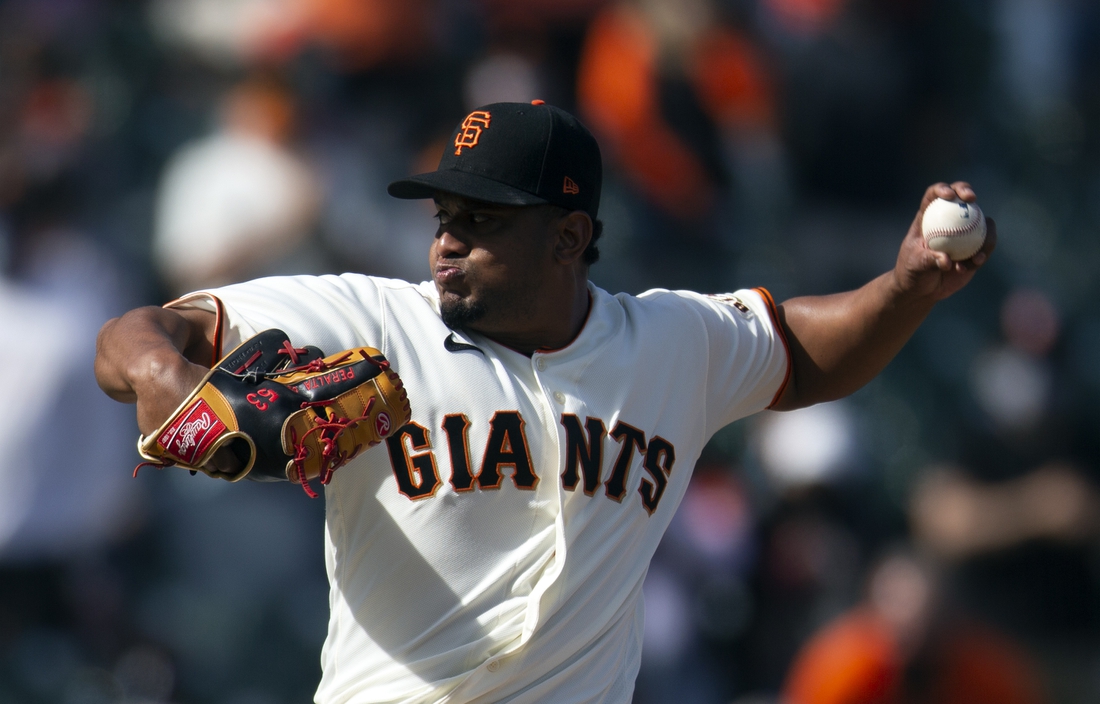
(541, 365)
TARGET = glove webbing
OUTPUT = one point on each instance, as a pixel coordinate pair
(327, 432)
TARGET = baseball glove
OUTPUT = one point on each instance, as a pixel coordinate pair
(284, 413)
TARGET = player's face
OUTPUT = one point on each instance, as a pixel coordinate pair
(490, 264)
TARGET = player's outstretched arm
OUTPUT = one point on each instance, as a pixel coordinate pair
(840, 342)
(148, 356)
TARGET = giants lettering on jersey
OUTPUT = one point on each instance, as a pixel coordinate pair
(506, 454)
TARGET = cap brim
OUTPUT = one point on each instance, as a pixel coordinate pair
(464, 184)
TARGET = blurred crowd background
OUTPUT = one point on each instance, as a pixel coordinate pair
(933, 538)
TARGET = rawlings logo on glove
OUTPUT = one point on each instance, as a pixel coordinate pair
(182, 438)
(282, 412)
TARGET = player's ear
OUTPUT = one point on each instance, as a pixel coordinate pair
(574, 232)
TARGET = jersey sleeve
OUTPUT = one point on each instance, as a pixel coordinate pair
(332, 312)
(746, 361)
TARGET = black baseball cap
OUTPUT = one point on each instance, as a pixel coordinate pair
(516, 154)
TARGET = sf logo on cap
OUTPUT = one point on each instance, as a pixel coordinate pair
(471, 129)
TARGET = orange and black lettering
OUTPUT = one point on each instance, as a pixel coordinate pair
(470, 133)
(587, 453)
(507, 447)
(659, 457)
(458, 443)
(634, 438)
(416, 475)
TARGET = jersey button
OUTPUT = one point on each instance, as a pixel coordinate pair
(559, 397)
(493, 665)
(541, 364)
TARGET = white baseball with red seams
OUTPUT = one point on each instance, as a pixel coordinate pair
(954, 227)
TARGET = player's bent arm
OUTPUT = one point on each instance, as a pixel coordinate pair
(840, 342)
(149, 357)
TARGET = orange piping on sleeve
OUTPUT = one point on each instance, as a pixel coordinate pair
(774, 313)
(219, 320)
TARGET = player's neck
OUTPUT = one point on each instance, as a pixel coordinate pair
(564, 324)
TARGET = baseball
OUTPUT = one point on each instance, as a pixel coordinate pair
(954, 227)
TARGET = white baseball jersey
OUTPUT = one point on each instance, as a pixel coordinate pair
(494, 549)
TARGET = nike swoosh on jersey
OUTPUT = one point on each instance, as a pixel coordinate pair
(453, 345)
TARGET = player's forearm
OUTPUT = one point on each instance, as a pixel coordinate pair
(840, 342)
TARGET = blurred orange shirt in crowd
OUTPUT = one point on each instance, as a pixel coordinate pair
(618, 94)
(856, 660)
(353, 34)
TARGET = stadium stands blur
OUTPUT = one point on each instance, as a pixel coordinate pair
(776, 143)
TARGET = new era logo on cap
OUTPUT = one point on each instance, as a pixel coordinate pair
(516, 154)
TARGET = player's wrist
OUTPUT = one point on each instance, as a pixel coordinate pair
(162, 378)
(903, 292)
(159, 368)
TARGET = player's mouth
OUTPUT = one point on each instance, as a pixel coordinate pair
(448, 275)
(451, 280)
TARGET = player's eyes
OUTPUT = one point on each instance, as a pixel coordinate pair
(473, 218)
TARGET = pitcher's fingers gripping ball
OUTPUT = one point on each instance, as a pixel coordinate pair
(284, 413)
(954, 227)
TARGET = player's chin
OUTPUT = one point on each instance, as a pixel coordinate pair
(459, 311)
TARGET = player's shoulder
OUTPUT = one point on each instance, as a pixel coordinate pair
(346, 285)
(398, 292)
(395, 287)
(746, 303)
(327, 295)
(749, 309)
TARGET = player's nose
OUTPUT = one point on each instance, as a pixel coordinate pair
(449, 245)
